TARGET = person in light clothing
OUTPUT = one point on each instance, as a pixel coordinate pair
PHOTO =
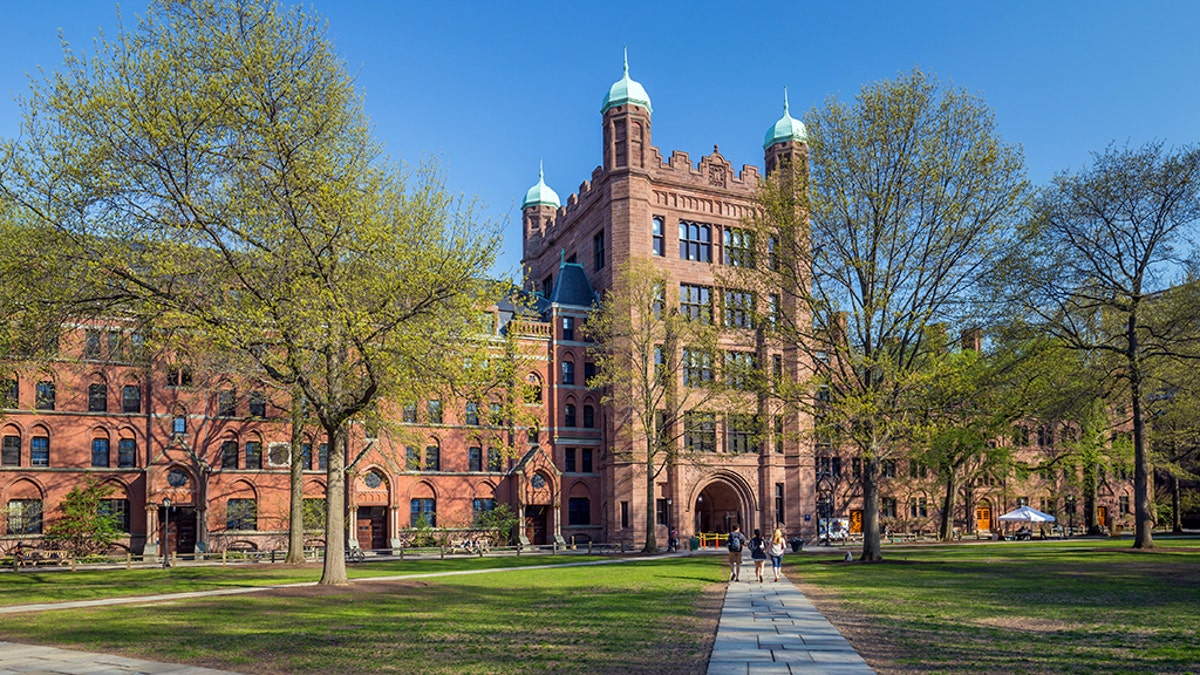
(775, 550)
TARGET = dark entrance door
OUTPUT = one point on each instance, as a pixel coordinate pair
(181, 537)
(372, 527)
(535, 525)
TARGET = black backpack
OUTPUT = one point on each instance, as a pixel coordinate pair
(735, 542)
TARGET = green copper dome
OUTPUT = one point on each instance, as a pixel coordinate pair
(540, 194)
(788, 128)
(625, 91)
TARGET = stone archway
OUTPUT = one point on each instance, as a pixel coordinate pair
(719, 506)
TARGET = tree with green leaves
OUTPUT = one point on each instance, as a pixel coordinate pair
(661, 372)
(967, 409)
(85, 525)
(907, 202)
(214, 168)
(1104, 243)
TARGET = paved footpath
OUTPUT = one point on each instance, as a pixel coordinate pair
(772, 628)
(33, 660)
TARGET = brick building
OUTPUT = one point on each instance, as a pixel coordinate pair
(218, 448)
(688, 220)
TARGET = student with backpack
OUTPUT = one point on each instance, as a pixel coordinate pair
(758, 553)
(736, 541)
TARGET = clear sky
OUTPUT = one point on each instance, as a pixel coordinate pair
(490, 88)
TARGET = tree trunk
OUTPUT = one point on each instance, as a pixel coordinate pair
(651, 545)
(1176, 517)
(946, 524)
(334, 571)
(871, 551)
(1143, 509)
(1089, 497)
(295, 554)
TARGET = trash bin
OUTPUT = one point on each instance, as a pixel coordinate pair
(797, 544)
(694, 543)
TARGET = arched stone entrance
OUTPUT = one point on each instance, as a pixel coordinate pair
(719, 507)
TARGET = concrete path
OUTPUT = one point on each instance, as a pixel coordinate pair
(772, 628)
(30, 660)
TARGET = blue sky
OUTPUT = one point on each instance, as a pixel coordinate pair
(489, 88)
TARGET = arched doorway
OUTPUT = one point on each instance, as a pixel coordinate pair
(718, 508)
(983, 516)
(372, 497)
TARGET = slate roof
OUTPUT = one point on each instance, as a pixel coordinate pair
(573, 287)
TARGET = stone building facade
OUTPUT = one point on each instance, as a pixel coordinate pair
(217, 448)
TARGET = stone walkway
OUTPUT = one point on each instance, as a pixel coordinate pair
(772, 628)
(32, 660)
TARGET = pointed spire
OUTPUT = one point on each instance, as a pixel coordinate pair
(788, 128)
(626, 90)
(541, 194)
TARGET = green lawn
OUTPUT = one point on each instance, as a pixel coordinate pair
(35, 585)
(1083, 606)
(641, 616)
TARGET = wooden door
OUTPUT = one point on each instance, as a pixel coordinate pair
(1102, 515)
(180, 529)
(372, 527)
(856, 521)
(983, 517)
(535, 525)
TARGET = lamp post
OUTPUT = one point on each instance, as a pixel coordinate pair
(166, 532)
(1070, 515)
(671, 544)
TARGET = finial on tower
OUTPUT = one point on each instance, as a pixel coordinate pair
(626, 52)
(562, 257)
(785, 101)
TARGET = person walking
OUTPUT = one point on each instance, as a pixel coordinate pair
(736, 541)
(775, 550)
(758, 553)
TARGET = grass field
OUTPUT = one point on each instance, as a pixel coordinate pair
(34, 585)
(638, 617)
(1085, 606)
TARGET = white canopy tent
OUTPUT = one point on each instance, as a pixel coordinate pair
(1026, 514)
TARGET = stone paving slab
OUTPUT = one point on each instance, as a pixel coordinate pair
(19, 659)
(771, 627)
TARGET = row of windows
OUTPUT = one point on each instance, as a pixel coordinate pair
(571, 419)
(25, 516)
(696, 244)
(39, 452)
(738, 307)
(743, 433)
(568, 371)
(740, 369)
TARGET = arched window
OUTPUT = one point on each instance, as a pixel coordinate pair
(229, 453)
(10, 450)
(568, 371)
(569, 415)
(126, 450)
(39, 447)
(254, 453)
(131, 399)
(97, 395)
(533, 391)
(589, 417)
(101, 455)
(433, 456)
